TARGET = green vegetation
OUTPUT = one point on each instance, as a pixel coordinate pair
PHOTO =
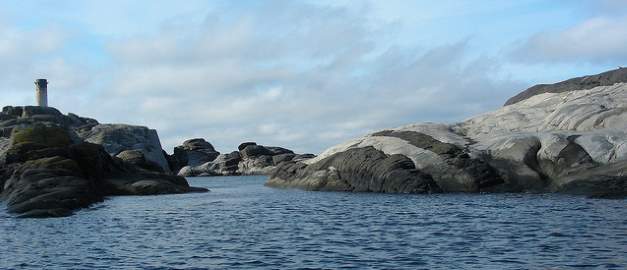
(41, 135)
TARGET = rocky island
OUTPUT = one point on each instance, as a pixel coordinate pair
(567, 137)
(197, 157)
(52, 164)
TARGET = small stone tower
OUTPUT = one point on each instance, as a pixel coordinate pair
(41, 92)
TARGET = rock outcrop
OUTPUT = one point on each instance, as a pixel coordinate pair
(223, 165)
(607, 78)
(195, 152)
(116, 138)
(48, 170)
(251, 159)
(364, 169)
(137, 158)
(570, 139)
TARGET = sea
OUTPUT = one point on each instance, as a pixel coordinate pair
(241, 224)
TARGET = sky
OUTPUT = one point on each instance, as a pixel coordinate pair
(304, 75)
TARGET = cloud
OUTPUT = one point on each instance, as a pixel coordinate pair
(598, 40)
(302, 76)
(286, 73)
(28, 54)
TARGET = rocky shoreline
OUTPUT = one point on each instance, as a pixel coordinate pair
(52, 164)
(569, 137)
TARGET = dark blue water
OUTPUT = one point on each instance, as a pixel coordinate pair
(242, 224)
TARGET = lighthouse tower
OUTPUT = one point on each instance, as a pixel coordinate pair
(41, 92)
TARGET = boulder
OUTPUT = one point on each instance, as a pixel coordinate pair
(244, 145)
(260, 160)
(256, 165)
(137, 158)
(252, 151)
(195, 152)
(116, 138)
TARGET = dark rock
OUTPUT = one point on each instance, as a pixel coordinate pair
(243, 145)
(48, 186)
(256, 165)
(229, 162)
(278, 150)
(197, 144)
(423, 141)
(358, 170)
(571, 157)
(137, 158)
(252, 159)
(224, 164)
(117, 138)
(255, 151)
(601, 181)
(46, 170)
(301, 157)
(173, 162)
(195, 152)
(482, 174)
(180, 156)
(278, 159)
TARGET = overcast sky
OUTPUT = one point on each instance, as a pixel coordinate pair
(300, 74)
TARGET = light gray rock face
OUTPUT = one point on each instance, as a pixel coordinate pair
(116, 138)
(546, 142)
(597, 109)
(581, 83)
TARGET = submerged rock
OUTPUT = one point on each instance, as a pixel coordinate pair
(566, 139)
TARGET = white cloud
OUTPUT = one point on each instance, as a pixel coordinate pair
(302, 76)
(596, 40)
(26, 55)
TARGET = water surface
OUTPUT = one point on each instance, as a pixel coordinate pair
(243, 225)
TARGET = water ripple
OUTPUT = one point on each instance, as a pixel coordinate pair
(243, 225)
